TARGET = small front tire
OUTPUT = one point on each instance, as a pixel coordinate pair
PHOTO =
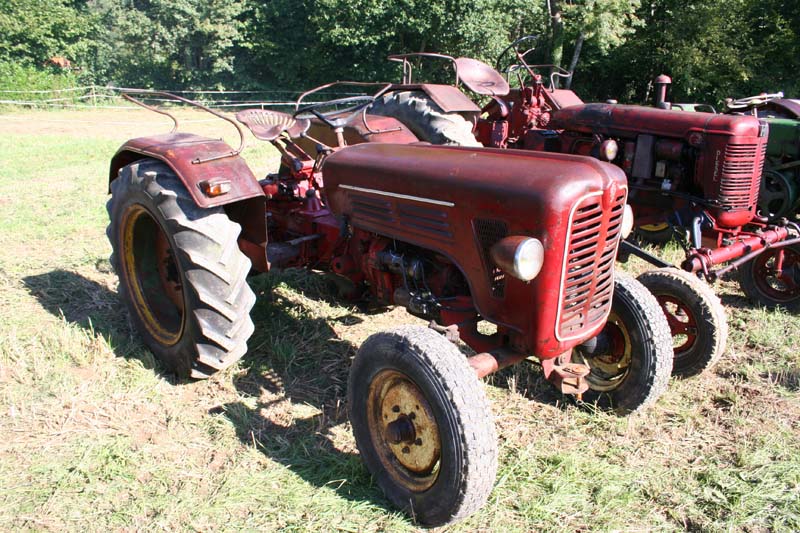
(423, 424)
(695, 316)
(772, 278)
(632, 370)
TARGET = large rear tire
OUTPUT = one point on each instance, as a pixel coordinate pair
(182, 275)
(695, 316)
(425, 118)
(423, 424)
(634, 368)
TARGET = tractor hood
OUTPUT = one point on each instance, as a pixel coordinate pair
(628, 121)
(458, 201)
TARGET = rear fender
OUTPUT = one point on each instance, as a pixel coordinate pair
(244, 203)
(183, 152)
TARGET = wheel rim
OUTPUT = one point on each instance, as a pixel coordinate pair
(152, 276)
(776, 274)
(609, 370)
(404, 430)
(653, 228)
(682, 323)
(776, 196)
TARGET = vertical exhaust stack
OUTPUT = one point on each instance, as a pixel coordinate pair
(662, 83)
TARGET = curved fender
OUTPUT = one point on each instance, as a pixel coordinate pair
(183, 152)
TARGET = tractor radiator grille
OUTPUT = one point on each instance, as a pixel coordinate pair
(741, 176)
(588, 285)
(487, 233)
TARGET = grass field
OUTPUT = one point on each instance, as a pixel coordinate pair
(93, 436)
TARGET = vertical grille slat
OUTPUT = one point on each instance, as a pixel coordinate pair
(588, 286)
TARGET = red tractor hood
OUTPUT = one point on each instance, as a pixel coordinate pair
(629, 121)
(440, 198)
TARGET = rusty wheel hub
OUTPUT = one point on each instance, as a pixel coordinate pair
(682, 323)
(608, 370)
(404, 430)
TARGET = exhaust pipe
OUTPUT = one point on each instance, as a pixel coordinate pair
(662, 83)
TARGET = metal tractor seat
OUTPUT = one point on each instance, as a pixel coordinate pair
(480, 77)
(268, 125)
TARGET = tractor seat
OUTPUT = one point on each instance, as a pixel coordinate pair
(480, 77)
(268, 125)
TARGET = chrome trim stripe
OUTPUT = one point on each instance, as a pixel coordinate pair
(395, 195)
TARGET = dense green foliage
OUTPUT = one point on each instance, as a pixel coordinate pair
(711, 49)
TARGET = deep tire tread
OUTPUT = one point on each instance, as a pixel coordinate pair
(425, 118)
(469, 406)
(214, 269)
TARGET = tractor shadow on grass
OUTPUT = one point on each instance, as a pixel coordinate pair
(94, 308)
(293, 406)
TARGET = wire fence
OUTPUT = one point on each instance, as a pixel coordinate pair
(100, 97)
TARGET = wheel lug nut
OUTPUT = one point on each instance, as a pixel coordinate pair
(406, 449)
(418, 442)
(396, 409)
(412, 416)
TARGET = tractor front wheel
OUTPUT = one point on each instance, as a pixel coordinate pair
(695, 317)
(423, 424)
(631, 368)
(182, 275)
(773, 278)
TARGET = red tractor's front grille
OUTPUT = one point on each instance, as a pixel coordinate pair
(741, 176)
(588, 285)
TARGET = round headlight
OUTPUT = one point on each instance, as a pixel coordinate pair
(627, 221)
(609, 150)
(521, 257)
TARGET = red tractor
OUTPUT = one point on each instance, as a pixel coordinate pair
(517, 119)
(699, 171)
(458, 236)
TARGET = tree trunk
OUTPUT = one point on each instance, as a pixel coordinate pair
(576, 54)
(556, 33)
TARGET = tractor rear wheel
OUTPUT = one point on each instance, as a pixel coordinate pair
(182, 275)
(654, 233)
(695, 316)
(772, 278)
(423, 424)
(425, 118)
(632, 370)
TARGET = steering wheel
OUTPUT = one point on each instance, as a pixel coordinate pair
(357, 103)
(752, 101)
(515, 46)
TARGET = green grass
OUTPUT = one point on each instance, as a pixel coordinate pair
(93, 436)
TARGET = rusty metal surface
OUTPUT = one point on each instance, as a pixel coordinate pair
(480, 77)
(629, 121)
(268, 125)
(242, 142)
(786, 106)
(357, 131)
(533, 192)
(403, 427)
(181, 151)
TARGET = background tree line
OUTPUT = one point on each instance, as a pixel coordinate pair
(711, 49)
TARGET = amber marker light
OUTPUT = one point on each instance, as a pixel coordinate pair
(519, 256)
(216, 187)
